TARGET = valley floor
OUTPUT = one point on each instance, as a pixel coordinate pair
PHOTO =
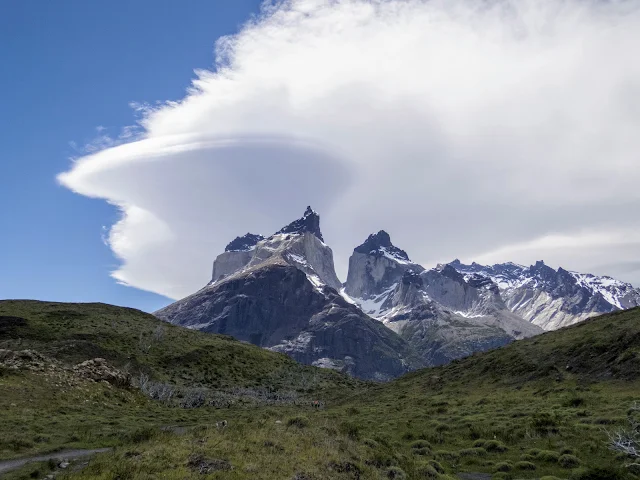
(545, 428)
(534, 409)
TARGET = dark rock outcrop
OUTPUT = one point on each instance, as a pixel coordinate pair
(244, 243)
(310, 222)
(277, 307)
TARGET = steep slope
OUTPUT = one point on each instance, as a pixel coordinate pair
(139, 342)
(554, 298)
(285, 298)
(440, 313)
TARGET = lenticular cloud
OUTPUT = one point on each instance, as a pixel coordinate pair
(470, 129)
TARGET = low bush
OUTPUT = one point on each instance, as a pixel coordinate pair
(422, 451)
(501, 476)
(494, 446)
(504, 467)
(436, 466)
(420, 444)
(350, 429)
(369, 442)
(470, 452)
(525, 466)
(597, 473)
(569, 461)
(548, 456)
(298, 421)
(427, 471)
(448, 456)
(396, 473)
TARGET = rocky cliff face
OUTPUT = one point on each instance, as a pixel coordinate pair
(552, 298)
(441, 314)
(392, 315)
(283, 295)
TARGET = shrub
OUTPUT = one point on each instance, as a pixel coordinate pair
(479, 443)
(299, 421)
(441, 427)
(574, 402)
(140, 435)
(420, 444)
(534, 451)
(427, 471)
(526, 466)
(548, 456)
(569, 461)
(446, 455)
(436, 466)
(504, 467)
(369, 442)
(549, 477)
(469, 452)
(422, 451)
(597, 473)
(380, 460)
(396, 473)
(494, 446)
(350, 429)
(501, 476)
(544, 423)
(527, 457)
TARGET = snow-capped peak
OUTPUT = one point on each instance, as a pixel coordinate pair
(554, 298)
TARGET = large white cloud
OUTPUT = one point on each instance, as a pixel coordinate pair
(488, 130)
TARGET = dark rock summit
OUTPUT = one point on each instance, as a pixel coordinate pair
(244, 243)
(379, 243)
(310, 222)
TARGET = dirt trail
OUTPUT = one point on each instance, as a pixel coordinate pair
(8, 465)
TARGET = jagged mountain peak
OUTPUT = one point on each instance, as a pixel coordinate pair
(309, 222)
(379, 244)
(244, 243)
(554, 298)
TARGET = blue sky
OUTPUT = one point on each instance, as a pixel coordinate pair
(67, 68)
(489, 135)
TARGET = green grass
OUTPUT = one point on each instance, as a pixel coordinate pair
(45, 411)
(515, 413)
(136, 341)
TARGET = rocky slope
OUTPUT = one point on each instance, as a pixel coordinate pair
(391, 315)
(440, 313)
(281, 293)
(552, 298)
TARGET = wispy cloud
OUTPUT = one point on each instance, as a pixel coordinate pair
(463, 127)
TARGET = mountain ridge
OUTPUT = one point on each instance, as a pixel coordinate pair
(415, 316)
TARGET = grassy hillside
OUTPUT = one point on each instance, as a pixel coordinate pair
(138, 342)
(533, 409)
(49, 408)
(555, 394)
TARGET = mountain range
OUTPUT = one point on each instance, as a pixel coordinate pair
(392, 315)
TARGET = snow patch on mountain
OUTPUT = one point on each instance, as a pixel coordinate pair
(554, 298)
